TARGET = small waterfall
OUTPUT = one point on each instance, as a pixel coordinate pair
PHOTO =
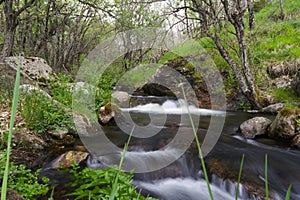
(181, 179)
(193, 189)
(230, 187)
(175, 107)
(148, 161)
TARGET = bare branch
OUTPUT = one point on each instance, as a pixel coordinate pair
(27, 5)
(97, 7)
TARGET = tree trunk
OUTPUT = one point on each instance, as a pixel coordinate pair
(251, 14)
(11, 24)
(252, 93)
(281, 10)
(10, 28)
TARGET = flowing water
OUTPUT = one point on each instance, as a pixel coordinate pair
(183, 178)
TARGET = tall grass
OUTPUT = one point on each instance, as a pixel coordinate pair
(198, 145)
(266, 177)
(288, 193)
(11, 125)
(239, 177)
(114, 190)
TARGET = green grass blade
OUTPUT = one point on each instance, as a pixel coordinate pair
(266, 177)
(11, 125)
(288, 193)
(115, 183)
(239, 177)
(198, 145)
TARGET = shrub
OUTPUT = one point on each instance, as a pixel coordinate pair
(98, 184)
(23, 180)
(60, 89)
(41, 114)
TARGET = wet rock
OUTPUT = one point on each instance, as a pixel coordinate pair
(285, 125)
(120, 97)
(106, 114)
(66, 160)
(274, 108)
(296, 140)
(255, 126)
(32, 68)
(13, 195)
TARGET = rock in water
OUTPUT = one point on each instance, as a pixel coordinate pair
(274, 108)
(66, 160)
(296, 140)
(285, 125)
(255, 126)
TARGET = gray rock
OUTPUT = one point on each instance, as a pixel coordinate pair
(29, 138)
(120, 98)
(296, 141)
(285, 125)
(282, 82)
(255, 126)
(283, 68)
(60, 134)
(274, 108)
(32, 68)
(296, 83)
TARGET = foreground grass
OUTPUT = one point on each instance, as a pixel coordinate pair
(11, 125)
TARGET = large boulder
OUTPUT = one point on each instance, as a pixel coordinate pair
(285, 124)
(255, 126)
(31, 68)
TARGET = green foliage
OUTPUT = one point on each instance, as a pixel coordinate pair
(244, 106)
(104, 90)
(60, 89)
(298, 122)
(23, 180)
(266, 177)
(42, 114)
(6, 93)
(288, 193)
(239, 177)
(287, 96)
(11, 125)
(98, 184)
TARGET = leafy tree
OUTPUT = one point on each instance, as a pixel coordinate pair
(12, 10)
(218, 18)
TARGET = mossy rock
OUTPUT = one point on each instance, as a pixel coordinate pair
(285, 124)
